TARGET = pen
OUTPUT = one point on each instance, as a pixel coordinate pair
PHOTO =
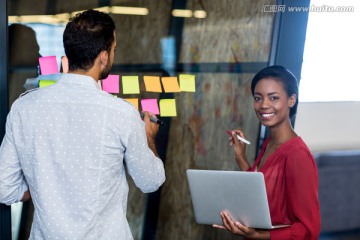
(153, 119)
(240, 138)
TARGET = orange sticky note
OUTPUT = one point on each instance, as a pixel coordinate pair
(152, 84)
(133, 101)
(170, 84)
(187, 82)
(167, 108)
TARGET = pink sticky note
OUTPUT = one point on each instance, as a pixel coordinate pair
(150, 105)
(111, 84)
(48, 65)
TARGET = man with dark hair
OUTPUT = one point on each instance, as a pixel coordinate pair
(66, 145)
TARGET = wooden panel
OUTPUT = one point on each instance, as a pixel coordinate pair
(233, 31)
(198, 140)
(26, 7)
(139, 37)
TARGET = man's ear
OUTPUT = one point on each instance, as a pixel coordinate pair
(104, 57)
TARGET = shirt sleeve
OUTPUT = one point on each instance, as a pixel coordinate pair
(144, 167)
(302, 198)
(12, 181)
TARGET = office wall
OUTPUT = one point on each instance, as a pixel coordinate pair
(329, 125)
(234, 32)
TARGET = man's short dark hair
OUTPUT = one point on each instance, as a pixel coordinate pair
(85, 36)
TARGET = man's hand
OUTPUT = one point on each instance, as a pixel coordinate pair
(151, 130)
(26, 196)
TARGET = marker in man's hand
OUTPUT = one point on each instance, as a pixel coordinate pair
(240, 138)
(152, 119)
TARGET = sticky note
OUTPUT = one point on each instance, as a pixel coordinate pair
(187, 82)
(48, 65)
(170, 84)
(111, 84)
(152, 84)
(167, 108)
(150, 105)
(45, 83)
(133, 101)
(130, 84)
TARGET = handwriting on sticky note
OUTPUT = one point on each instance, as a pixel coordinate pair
(130, 84)
(111, 84)
(48, 65)
(167, 107)
(152, 83)
(133, 101)
(187, 82)
(150, 105)
(170, 84)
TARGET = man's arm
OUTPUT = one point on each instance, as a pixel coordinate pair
(13, 185)
(151, 130)
(141, 157)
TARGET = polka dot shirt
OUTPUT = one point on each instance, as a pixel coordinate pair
(69, 144)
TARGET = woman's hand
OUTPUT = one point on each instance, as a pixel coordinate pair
(239, 229)
(240, 149)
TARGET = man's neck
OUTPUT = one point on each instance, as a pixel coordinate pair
(89, 73)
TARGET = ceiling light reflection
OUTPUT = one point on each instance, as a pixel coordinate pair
(181, 13)
(200, 14)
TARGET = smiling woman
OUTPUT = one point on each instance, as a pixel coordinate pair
(289, 168)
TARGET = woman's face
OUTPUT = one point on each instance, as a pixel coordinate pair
(271, 102)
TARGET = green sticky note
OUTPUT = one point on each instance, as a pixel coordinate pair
(45, 83)
(130, 84)
(167, 108)
(187, 82)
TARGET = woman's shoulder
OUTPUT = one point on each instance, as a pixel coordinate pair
(295, 143)
(297, 152)
(296, 147)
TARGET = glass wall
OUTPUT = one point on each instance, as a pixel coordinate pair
(222, 43)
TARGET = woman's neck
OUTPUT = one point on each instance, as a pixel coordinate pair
(281, 135)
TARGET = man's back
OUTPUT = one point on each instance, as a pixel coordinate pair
(71, 139)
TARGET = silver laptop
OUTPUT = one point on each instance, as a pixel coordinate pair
(241, 194)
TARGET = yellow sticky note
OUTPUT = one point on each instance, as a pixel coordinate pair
(187, 82)
(170, 84)
(130, 84)
(45, 83)
(167, 108)
(152, 84)
(133, 101)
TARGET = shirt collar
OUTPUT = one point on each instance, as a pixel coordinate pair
(70, 78)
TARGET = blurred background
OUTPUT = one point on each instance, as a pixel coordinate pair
(223, 43)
